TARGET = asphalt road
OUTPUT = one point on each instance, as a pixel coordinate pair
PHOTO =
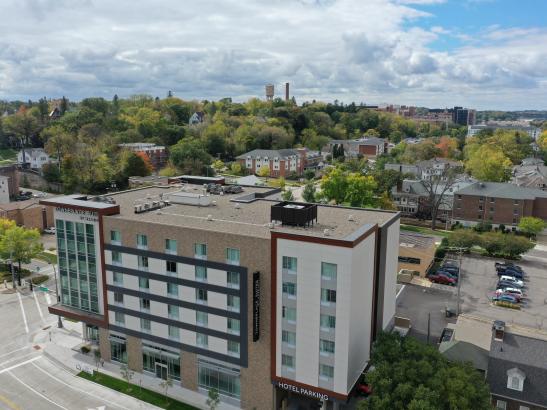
(28, 378)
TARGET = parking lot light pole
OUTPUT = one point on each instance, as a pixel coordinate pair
(59, 321)
(460, 275)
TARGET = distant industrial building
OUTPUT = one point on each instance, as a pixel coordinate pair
(532, 131)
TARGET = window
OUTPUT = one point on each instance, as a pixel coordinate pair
(202, 340)
(117, 278)
(289, 264)
(515, 211)
(233, 348)
(491, 209)
(144, 283)
(289, 289)
(118, 349)
(142, 241)
(501, 405)
(233, 279)
(201, 296)
(232, 256)
(515, 379)
(171, 246)
(222, 378)
(202, 319)
(288, 337)
(492, 200)
(233, 303)
(145, 304)
(328, 271)
(287, 361)
(481, 199)
(171, 267)
(115, 237)
(233, 326)
(119, 318)
(516, 202)
(289, 313)
(326, 347)
(174, 332)
(116, 258)
(326, 371)
(480, 207)
(201, 273)
(328, 322)
(118, 297)
(172, 311)
(142, 262)
(145, 325)
(172, 289)
(200, 250)
(524, 408)
(328, 296)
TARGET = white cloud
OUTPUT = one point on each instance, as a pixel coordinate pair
(327, 49)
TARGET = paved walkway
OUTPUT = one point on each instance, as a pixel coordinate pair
(61, 349)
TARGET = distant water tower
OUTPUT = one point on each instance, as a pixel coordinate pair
(269, 92)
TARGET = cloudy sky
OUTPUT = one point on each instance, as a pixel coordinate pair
(488, 54)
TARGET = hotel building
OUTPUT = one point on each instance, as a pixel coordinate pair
(269, 302)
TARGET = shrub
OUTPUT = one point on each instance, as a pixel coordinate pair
(85, 349)
(39, 279)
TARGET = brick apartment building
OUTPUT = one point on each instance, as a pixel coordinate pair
(367, 147)
(281, 162)
(498, 203)
(156, 153)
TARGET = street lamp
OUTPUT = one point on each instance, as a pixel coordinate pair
(10, 261)
(59, 321)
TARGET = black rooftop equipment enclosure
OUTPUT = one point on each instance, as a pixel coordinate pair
(294, 213)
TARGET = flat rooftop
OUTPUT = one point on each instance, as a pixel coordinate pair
(245, 216)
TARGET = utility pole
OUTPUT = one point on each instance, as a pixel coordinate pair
(460, 274)
(59, 321)
(428, 326)
(12, 271)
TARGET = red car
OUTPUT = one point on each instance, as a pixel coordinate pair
(442, 279)
(363, 389)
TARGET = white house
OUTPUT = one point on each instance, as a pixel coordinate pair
(36, 157)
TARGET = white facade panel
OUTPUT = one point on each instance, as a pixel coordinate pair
(390, 289)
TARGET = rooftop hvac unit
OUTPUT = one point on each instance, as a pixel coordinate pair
(209, 217)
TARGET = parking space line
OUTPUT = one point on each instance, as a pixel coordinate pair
(23, 311)
(9, 403)
(77, 389)
(36, 391)
(400, 290)
(13, 351)
(48, 298)
(15, 366)
(38, 307)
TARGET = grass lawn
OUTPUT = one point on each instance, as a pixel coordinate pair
(8, 155)
(47, 257)
(425, 231)
(146, 395)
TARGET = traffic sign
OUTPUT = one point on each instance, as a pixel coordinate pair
(43, 289)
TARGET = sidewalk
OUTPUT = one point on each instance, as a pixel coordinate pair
(61, 350)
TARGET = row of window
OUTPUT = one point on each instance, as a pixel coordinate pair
(202, 340)
(200, 272)
(173, 312)
(326, 347)
(492, 200)
(328, 270)
(200, 249)
(326, 372)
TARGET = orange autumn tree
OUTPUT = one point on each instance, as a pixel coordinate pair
(144, 156)
(448, 146)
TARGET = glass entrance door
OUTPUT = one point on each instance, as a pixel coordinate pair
(92, 333)
(161, 371)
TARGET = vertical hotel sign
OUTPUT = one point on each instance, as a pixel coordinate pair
(256, 306)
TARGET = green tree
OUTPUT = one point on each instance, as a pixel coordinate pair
(309, 174)
(287, 195)
(58, 142)
(264, 171)
(531, 225)
(23, 126)
(189, 154)
(236, 168)
(308, 194)
(411, 375)
(464, 238)
(334, 185)
(514, 246)
(134, 165)
(213, 398)
(20, 245)
(360, 190)
(489, 163)
(218, 165)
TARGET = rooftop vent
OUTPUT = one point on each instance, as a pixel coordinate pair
(150, 206)
(499, 329)
(351, 218)
(189, 198)
(209, 217)
(294, 213)
(326, 232)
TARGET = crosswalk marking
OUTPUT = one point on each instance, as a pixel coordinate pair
(23, 311)
(38, 307)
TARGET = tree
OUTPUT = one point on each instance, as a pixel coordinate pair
(189, 152)
(308, 194)
(264, 171)
(236, 168)
(436, 188)
(58, 142)
(218, 165)
(464, 238)
(23, 126)
(334, 185)
(514, 246)
(213, 398)
(531, 225)
(287, 195)
(20, 245)
(409, 374)
(97, 357)
(127, 374)
(488, 163)
(309, 174)
(360, 190)
(165, 384)
(133, 165)
(64, 105)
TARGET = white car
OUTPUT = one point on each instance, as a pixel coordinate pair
(511, 291)
(512, 279)
(50, 231)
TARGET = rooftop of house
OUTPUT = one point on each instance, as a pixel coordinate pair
(501, 190)
(270, 153)
(241, 213)
(415, 240)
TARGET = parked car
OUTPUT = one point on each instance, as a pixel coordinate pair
(500, 292)
(363, 389)
(442, 279)
(450, 268)
(50, 231)
(516, 281)
(507, 284)
(514, 273)
(513, 291)
(447, 274)
(450, 262)
(502, 266)
(505, 298)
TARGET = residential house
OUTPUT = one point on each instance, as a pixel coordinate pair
(367, 147)
(531, 173)
(280, 163)
(36, 158)
(437, 167)
(55, 114)
(416, 252)
(157, 154)
(196, 118)
(498, 203)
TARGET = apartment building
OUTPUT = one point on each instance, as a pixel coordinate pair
(367, 147)
(157, 154)
(280, 163)
(498, 203)
(272, 303)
